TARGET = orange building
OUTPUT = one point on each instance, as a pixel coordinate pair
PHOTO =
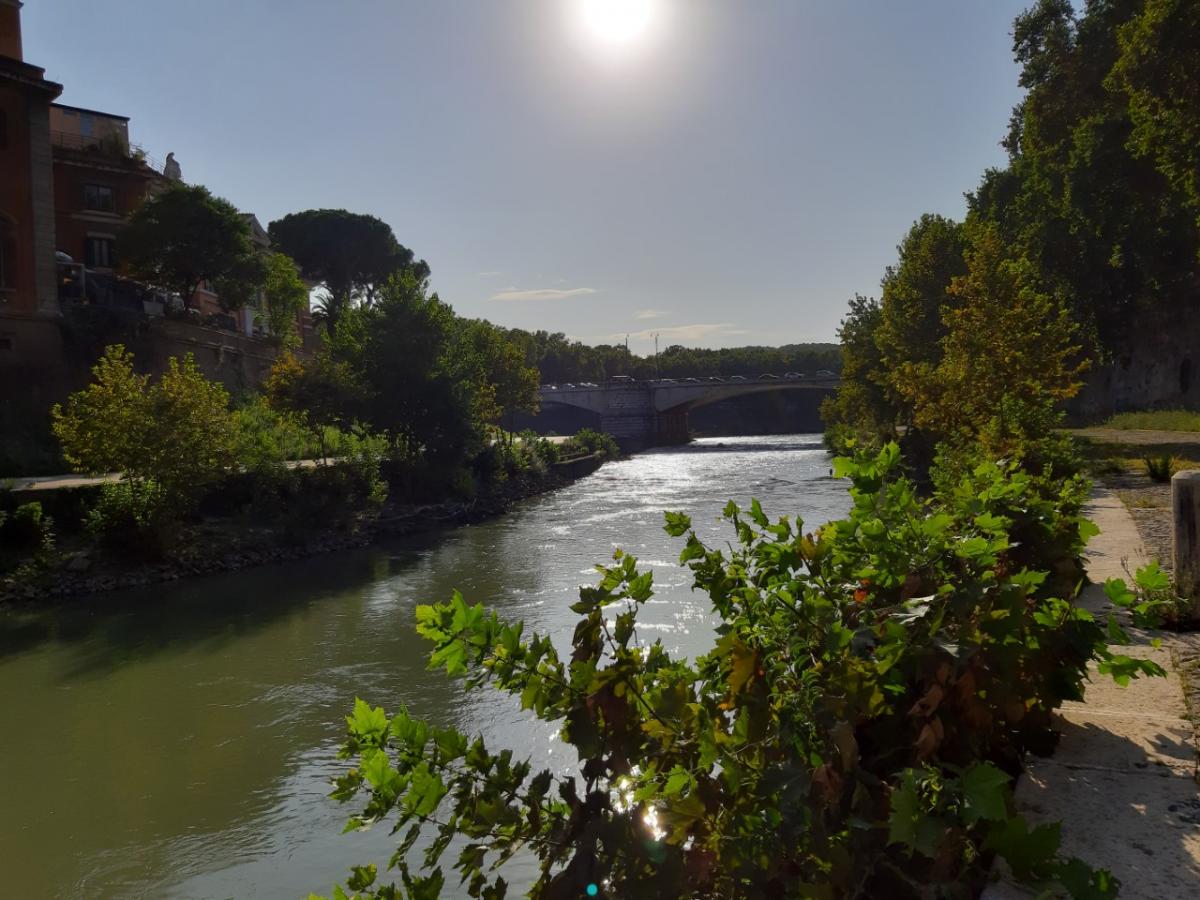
(28, 291)
(99, 180)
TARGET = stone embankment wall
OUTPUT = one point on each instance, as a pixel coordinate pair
(1161, 369)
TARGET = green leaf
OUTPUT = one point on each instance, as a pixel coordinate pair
(985, 790)
(677, 523)
(679, 779)
(362, 877)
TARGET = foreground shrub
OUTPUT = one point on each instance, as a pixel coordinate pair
(852, 733)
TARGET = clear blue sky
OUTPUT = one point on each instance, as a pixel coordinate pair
(731, 174)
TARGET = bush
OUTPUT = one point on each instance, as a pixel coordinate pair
(1160, 468)
(333, 495)
(26, 537)
(853, 731)
(128, 520)
(591, 441)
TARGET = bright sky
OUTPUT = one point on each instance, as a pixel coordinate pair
(720, 172)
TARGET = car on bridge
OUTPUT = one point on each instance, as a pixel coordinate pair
(795, 376)
(825, 373)
(737, 377)
(768, 377)
(549, 387)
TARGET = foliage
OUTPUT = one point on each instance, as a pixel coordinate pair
(861, 405)
(322, 392)
(483, 355)
(184, 236)
(132, 521)
(1159, 70)
(1160, 468)
(850, 734)
(241, 284)
(589, 441)
(398, 351)
(351, 255)
(1084, 197)
(285, 297)
(560, 360)
(916, 295)
(168, 438)
(266, 438)
(406, 368)
(1156, 420)
(334, 494)
(1008, 357)
(26, 537)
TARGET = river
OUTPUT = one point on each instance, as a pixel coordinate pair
(178, 741)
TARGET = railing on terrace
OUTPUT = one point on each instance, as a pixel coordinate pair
(111, 145)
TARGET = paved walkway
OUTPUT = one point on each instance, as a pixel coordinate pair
(33, 483)
(1123, 778)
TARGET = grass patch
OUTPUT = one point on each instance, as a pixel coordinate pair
(1140, 501)
(1156, 420)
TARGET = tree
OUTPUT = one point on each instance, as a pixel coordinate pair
(1159, 69)
(1009, 356)
(323, 391)
(915, 291)
(862, 403)
(182, 237)
(285, 296)
(242, 284)
(167, 438)
(489, 359)
(1106, 230)
(398, 349)
(351, 255)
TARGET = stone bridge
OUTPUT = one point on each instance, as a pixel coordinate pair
(642, 414)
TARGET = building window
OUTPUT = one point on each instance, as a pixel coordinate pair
(99, 197)
(100, 253)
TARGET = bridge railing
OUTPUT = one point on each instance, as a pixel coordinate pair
(695, 381)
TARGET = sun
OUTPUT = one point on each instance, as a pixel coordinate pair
(618, 21)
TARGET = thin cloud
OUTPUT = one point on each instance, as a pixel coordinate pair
(513, 294)
(488, 274)
(697, 332)
(650, 313)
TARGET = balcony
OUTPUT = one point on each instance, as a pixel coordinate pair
(111, 146)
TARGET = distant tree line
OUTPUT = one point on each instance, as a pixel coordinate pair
(559, 359)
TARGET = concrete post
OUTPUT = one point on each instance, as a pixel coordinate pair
(1185, 515)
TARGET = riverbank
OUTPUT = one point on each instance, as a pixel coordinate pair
(226, 545)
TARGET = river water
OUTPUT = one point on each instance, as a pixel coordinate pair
(178, 741)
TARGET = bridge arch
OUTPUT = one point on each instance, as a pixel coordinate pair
(650, 413)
